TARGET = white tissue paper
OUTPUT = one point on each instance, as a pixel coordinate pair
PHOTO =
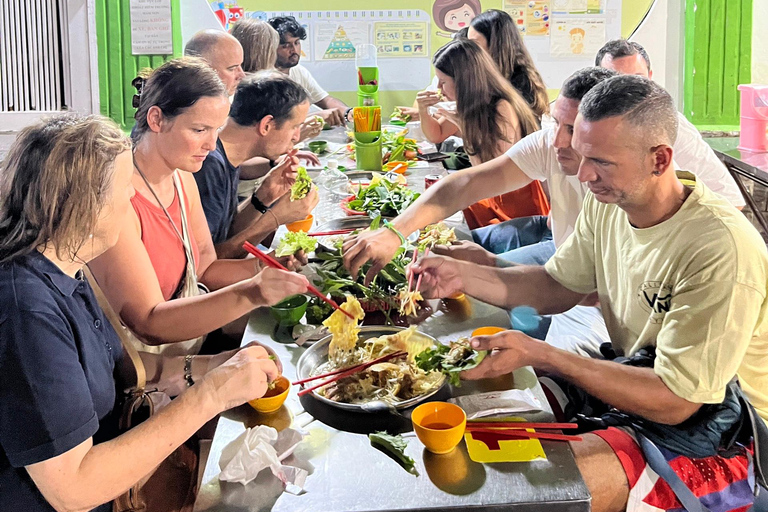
(498, 402)
(258, 448)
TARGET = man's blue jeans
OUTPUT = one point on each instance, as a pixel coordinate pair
(525, 241)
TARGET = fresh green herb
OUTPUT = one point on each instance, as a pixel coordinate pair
(302, 186)
(317, 311)
(450, 359)
(383, 197)
(291, 243)
(394, 446)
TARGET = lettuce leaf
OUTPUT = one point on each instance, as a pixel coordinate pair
(291, 243)
(302, 186)
(394, 446)
(450, 359)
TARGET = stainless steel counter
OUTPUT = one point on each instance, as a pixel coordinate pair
(347, 474)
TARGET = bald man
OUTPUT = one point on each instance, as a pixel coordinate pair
(222, 51)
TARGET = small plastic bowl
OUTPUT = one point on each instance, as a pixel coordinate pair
(457, 296)
(439, 425)
(289, 311)
(301, 225)
(274, 398)
(397, 167)
(318, 147)
(345, 206)
(487, 331)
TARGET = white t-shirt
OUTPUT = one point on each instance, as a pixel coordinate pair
(693, 286)
(535, 155)
(304, 78)
(694, 155)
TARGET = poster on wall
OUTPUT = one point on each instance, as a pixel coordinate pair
(337, 40)
(151, 30)
(395, 39)
(450, 16)
(576, 37)
(532, 17)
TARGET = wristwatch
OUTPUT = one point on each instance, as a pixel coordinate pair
(256, 202)
(346, 114)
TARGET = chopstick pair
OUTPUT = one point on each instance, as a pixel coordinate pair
(345, 372)
(410, 279)
(522, 434)
(270, 261)
(333, 232)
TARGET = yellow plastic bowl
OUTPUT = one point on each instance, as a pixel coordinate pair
(457, 296)
(274, 398)
(487, 331)
(439, 425)
(301, 225)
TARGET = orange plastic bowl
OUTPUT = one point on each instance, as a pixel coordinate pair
(274, 398)
(301, 225)
(397, 167)
(487, 331)
(439, 425)
(349, 211)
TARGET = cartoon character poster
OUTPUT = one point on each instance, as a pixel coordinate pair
(574, 37)
(450, 16)
(227, 13)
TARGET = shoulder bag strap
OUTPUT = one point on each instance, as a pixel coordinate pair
(138, 370)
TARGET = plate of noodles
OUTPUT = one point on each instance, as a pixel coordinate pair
(397, 381)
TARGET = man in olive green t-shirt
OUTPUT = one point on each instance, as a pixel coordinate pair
(676, 267)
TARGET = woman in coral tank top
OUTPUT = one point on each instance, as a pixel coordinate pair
(150, 277)
(491, 116)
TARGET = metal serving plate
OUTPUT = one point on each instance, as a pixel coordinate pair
(317, 355)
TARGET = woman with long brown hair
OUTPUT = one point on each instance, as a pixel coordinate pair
(495, 32)
(259, 41)
(65, 194)
(491, 116)
(151, 275)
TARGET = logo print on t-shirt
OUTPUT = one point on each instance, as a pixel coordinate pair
(655, 297)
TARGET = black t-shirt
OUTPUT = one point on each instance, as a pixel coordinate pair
(57, 358)
(217, 181)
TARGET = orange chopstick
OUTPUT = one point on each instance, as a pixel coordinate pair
(270, 261)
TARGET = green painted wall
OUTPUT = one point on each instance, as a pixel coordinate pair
(718, 57)
(117, 66)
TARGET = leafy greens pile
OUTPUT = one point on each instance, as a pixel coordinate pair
(398, 115)
(450, 359)
(302, 186)
(394, 446)
(384, 197)
(291, 243)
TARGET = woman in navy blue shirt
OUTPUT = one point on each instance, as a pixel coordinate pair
(65, 190)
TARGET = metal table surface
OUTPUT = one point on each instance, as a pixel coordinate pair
(743, 164)
(346, 474)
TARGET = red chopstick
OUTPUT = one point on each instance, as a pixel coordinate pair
(522, 434)
(329, 233)
(519, 425)
(352, 371)
(335, 372)
(270, 261)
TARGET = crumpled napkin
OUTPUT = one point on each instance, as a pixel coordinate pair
(258, 448)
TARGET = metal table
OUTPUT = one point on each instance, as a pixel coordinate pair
(744, 164)
(347, 474)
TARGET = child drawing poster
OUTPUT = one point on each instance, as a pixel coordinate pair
(450, 16)
(574, 37)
